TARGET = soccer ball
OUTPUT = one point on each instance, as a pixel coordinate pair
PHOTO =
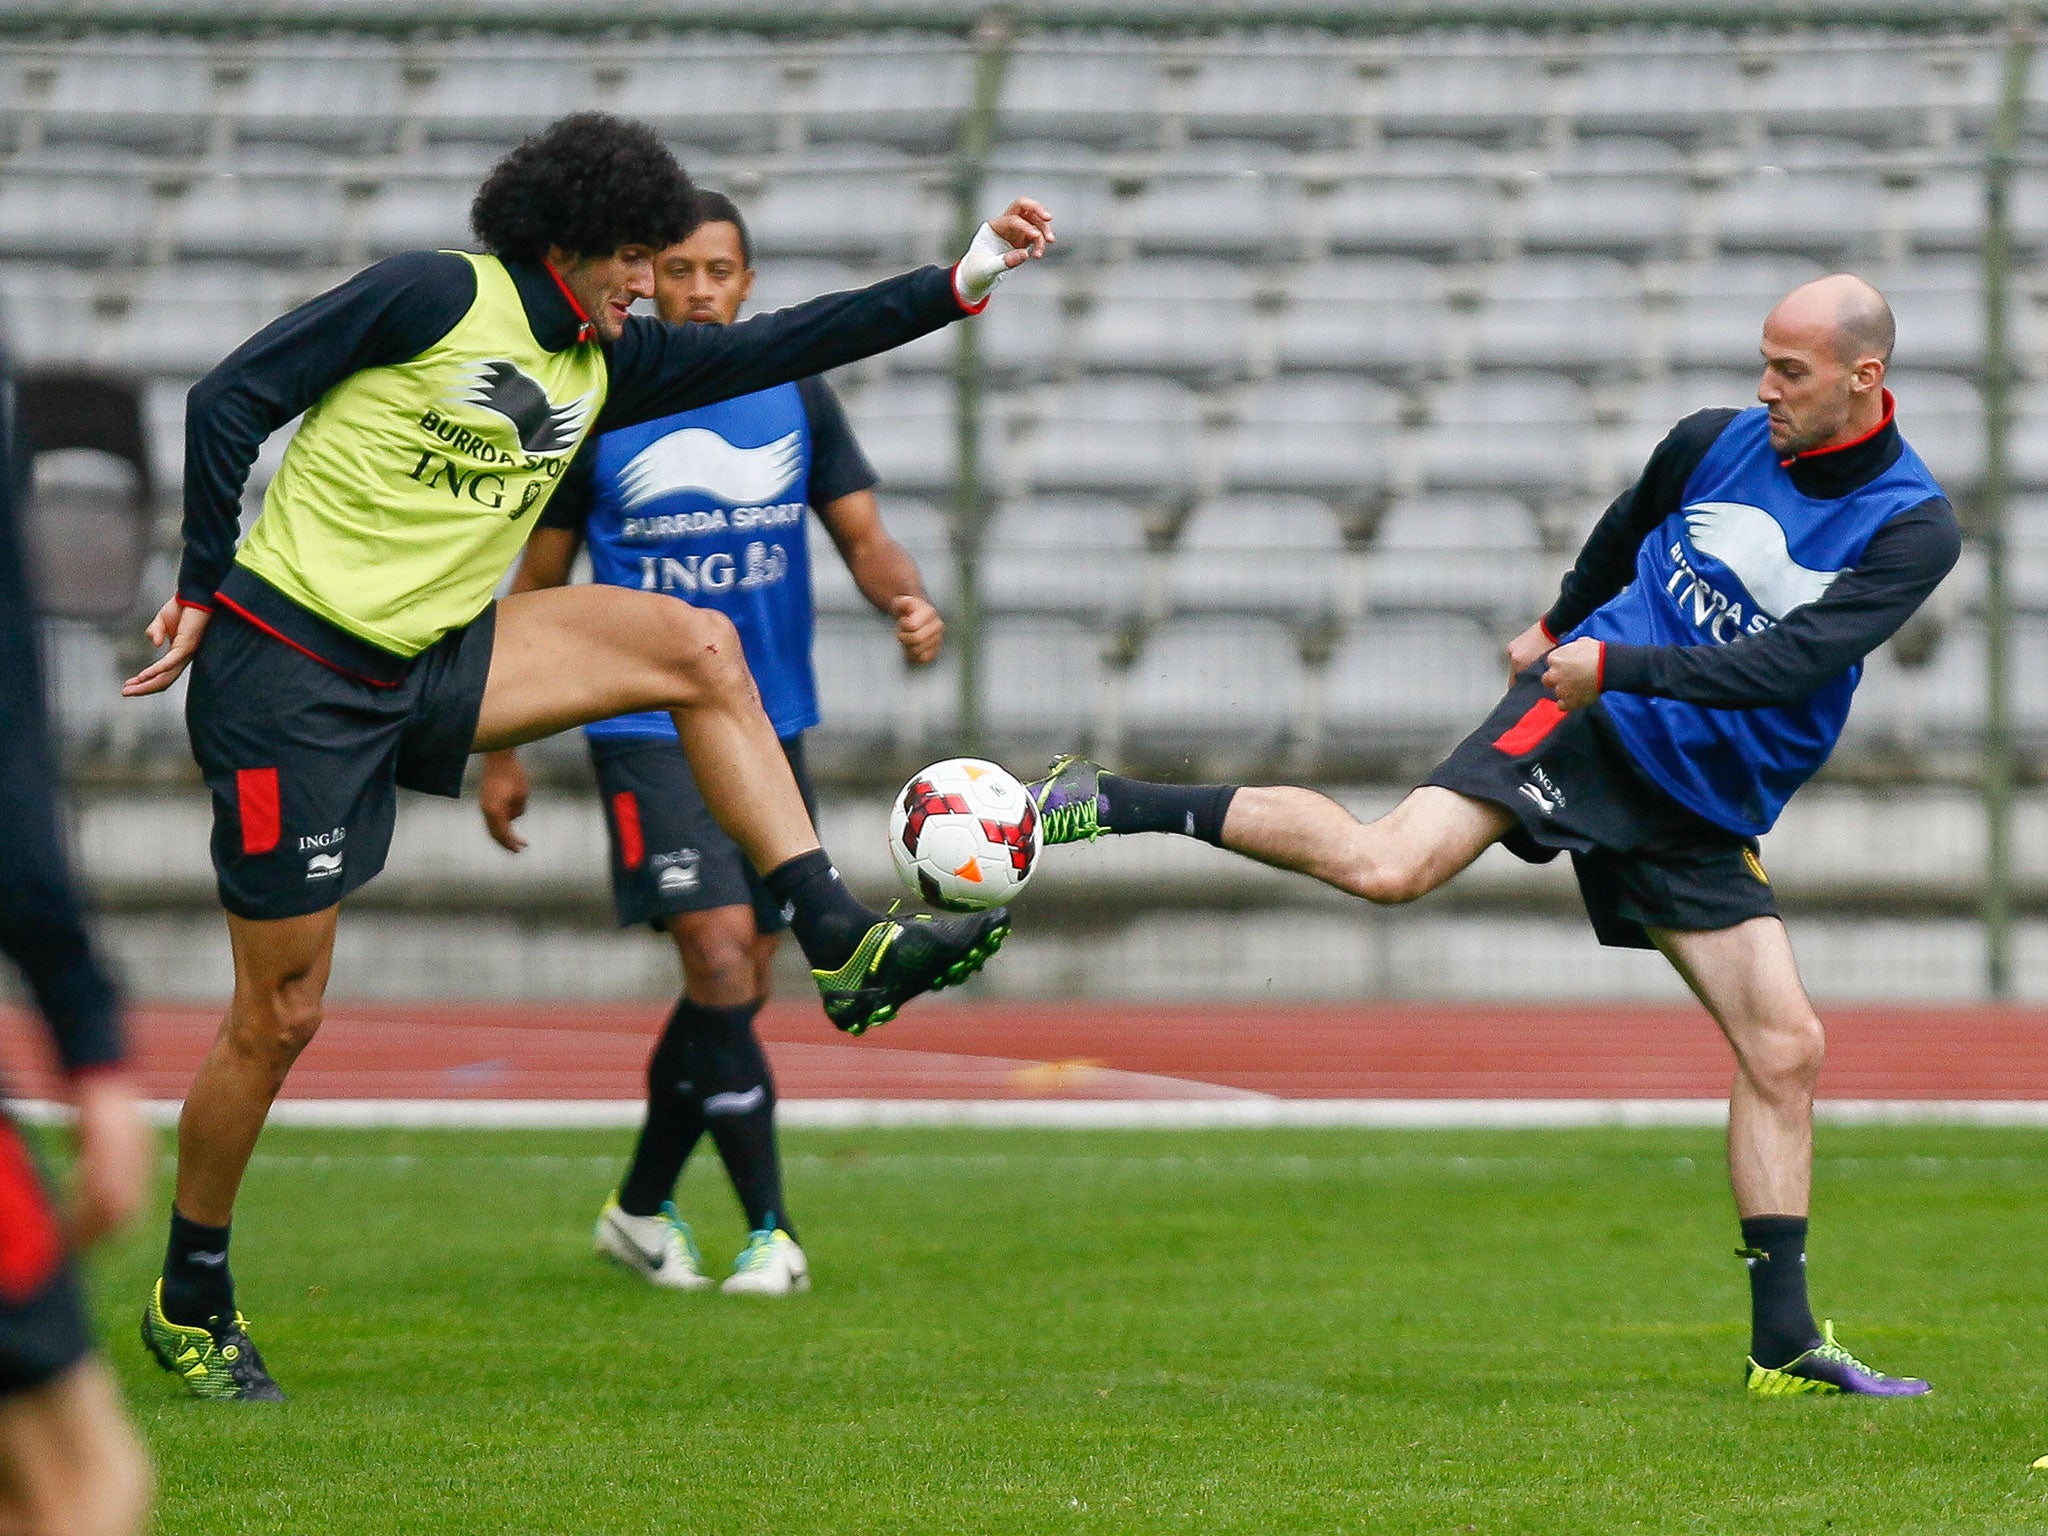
(964, 834)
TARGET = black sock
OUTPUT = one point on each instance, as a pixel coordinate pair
(1192, 810)
(823, 915)
(197, 1284)
(1781, 1326)
(738, 1098)
(675, 1118)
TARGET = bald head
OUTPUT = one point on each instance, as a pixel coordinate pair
(1826, 347)
(1843, 313)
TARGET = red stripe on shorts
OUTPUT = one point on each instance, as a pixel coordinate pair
(256, 801)
(30, 1246)
(626, 817)
(1528, 732)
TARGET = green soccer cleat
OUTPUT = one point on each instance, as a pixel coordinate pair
(218, 1362)
(1069, 801)
(899, 958)
(1828, 1368)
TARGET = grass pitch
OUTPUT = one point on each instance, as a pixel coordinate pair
(1024, 1332)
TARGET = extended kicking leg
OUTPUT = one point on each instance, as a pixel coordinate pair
(1425, 840)
(1748, 980)
(570, 655)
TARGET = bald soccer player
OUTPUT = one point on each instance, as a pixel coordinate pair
(1695, 670)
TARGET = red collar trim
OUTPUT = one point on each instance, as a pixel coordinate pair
(585, 329)
(1891, 407)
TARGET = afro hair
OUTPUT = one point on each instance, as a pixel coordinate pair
(587, 184)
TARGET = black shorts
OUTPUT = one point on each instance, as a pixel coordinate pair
(43, 1330)
(669, 854)
(1642, 859)
(305, 761)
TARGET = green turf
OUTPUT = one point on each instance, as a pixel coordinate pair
(1020, 1332)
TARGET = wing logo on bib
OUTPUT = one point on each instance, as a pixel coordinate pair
(695, 459)
(1751, 543)
(503, 388)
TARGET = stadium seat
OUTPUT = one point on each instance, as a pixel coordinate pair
(1379, 315)
(1094, 93)
(1463, 87)
(1030, 564)
(1275, 555)
(1118, 434)
(1322, 435)
(908, 93)
(1408, 686)
(1942, 416)
(1571, 314)
(1680, 86)
(1939, 306)
(1624, 196)
(721, 91)
(346, 99)
(1868, 89)
(182, 320)
(1722, 304)
(867, 693)
(413, 212)
(851, 202)
(1947, 210)
(258, 217)
(502, 94)
(1178, 316)
(1471, 554)
(1819, 197)
(1656, 407)
(52, 212)
(1233, 199)
(793, 279)
(154, 94)
(1044, 685)
(1507, 431)
(46, 312)
(1281, 92)
(1232, 686)
(1423, 197)
(906, 427)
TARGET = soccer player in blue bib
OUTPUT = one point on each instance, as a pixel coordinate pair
(711, 505)
(1695, 670)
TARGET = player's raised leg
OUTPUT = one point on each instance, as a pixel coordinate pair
(1407, 853)
(1748, 980)
(566, 656)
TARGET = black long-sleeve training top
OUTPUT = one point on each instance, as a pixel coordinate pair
(1904, 561)
(393, 311)
(41, 927)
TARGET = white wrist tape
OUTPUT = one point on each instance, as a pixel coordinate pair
(975, 278)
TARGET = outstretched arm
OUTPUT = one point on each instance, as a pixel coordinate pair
(659, 369)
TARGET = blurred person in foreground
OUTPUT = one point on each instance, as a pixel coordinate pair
(709, 505)
(1695, 670)
(351, 645)
(69, 1462)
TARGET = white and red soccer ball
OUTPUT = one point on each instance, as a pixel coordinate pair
(964, 834)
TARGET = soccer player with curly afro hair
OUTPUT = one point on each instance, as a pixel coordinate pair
(351, 643)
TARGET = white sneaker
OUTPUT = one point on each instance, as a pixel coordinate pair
(660, 1249)
(770, 1265)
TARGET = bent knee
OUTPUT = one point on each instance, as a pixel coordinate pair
(275, 1026)
(702, 649)
(1788, 1057)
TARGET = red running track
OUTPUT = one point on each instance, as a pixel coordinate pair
(1066, 1050)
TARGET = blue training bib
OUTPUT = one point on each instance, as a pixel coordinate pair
(1745, 548)
(710, 506)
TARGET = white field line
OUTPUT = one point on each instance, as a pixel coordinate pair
(1110, 1114)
